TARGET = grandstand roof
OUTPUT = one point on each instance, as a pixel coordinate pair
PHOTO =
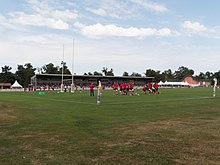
(190, 80)
(91, 76)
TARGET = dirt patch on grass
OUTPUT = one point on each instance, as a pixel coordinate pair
(6, 112)
(180, 141)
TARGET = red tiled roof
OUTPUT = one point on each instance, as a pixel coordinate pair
(190, 80)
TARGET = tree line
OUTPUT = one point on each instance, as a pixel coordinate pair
(24, 73)
(167, 75)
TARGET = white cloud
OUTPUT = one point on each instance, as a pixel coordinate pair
(148, 5)
(45, 9)
(5, 24)
(104, 12)
(38, 20)
(113, 9)
(44, 14)
(121, 9)
(165, 32)
(100, 12)
(195, 26)
(3, 21)
(99, 31)
(43, 39)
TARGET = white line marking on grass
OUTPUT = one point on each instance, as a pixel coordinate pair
(120, 103)
(66, 101)
(69, 101)
(192, 98)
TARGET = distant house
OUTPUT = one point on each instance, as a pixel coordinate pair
(205, 84)
(5, 85)
(191, 82)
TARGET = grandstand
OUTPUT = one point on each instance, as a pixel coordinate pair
(53, 81)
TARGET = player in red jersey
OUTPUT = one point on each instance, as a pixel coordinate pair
(121, 88)
(149, 87)
(131, 88)
(127, 88)
(124, 89)
(115, 88)
(156, 88)
(91, 87)
(145, 89)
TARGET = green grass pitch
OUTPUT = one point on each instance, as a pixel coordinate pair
(178, 126)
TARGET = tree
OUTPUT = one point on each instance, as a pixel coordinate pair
(6, 69)
(50, 69)
(97, 73)
(65, 70)
(136, 74)
(25, 73)
(110, 73)
(217, 75)
(125, 74)
(167, 75)
(209, 75)
(182, 73)
(106, 72)
(200, 77)
(152, 73)
(6, 76)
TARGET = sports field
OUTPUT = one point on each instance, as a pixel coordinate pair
(179, 126)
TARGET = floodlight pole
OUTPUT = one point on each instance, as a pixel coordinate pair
(62, 63)
(72, 85)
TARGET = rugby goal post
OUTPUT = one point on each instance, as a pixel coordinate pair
(214, 87)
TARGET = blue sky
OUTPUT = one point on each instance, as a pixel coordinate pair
(126, 35)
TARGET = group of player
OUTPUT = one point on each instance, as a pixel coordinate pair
(125, 88)
(128, 88)
(151, 88)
